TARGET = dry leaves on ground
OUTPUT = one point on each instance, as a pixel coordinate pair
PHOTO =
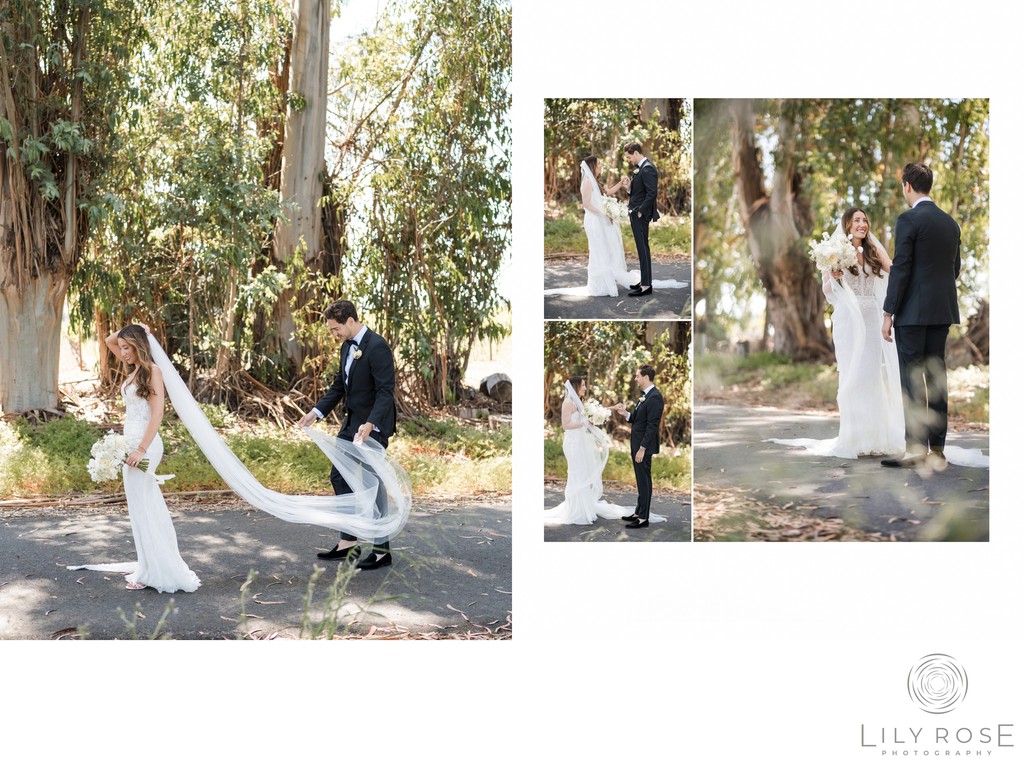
(735, 514)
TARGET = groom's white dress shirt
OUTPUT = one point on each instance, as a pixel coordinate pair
(629, 415)
(918, 202)
(352, 350)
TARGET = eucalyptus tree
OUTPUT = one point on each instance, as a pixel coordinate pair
(795, 165)
(421, 158)
(64, 87)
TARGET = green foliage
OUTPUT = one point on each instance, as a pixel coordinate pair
(66, 80)
(442, 457)
(576, 128)
(427, 176)
(564, 233)
(189, 178)
(670, 470)
(846, 152)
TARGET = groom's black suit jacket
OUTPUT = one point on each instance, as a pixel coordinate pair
(922, 280)
(369, 396)
(643, 193)
(645, 423)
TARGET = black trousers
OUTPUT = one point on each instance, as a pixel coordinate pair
(644, 485)
(341, 487)
(922, 354)
(641, 229)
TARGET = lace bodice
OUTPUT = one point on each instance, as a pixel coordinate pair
(863, 283)
(136, 409)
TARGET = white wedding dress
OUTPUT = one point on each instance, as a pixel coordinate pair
(377, 509)
(586, 453)
(606, 266)
(870, 396)
(159, 564)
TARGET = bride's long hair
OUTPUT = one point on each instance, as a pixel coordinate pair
(135, 337)
(870, 254)
(591, 161)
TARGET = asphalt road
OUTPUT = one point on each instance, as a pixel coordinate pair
(674, 506)
(452, 576)
(730, 452)
(661, 304)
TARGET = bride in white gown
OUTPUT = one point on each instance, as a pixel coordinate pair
(159, 564)
(377, 508)
(606, 266)
(870, 397)
(586, 453)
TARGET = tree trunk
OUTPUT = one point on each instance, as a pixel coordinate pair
(795, 304)
(40, 239)
(302, 160)
(30, 317)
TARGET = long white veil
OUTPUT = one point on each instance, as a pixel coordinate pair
(381, 498)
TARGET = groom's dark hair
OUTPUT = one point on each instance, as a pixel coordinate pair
(918, 176)
(341, 312)
(634, 147)
(647, 371)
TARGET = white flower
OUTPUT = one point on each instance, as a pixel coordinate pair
(833, 253)
(642, 399)
(358, 354)
(595, 413)
(615, 210)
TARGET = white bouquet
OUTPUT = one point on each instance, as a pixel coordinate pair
(108, 456)
(595, 413)
(615, 210)
(833, 253)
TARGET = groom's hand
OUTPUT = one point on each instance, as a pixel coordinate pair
(640, 455)
(887, 328)
(308, 419)
(364, 432)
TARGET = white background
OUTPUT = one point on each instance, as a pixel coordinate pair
(691, 653)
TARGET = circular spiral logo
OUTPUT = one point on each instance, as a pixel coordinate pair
(937, 683)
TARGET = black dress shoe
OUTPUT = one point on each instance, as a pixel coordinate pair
(344, 553)
(375, 561)
(635, 287)
(638, 291)
(638, 523)
(905, 461)
(630, 517)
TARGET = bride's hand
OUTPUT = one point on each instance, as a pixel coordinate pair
(837, 274)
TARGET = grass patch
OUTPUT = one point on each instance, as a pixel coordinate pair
(442, 457)
(564, 233)
(670, 469)
(772, 379)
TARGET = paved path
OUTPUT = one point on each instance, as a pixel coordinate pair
(729, 453)
(675, 506)
(452, 576)
(661, 304)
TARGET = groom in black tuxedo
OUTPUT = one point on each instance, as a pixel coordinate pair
(643, 209)
(645, 423)
(366, 383)
(921, 304)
